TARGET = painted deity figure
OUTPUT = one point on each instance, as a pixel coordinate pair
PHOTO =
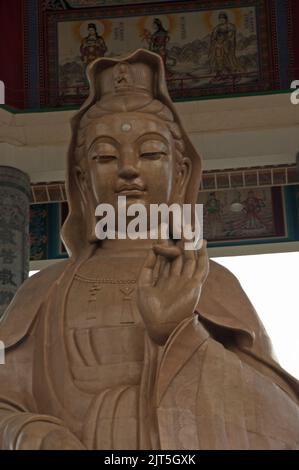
(253, 205)
(92, 46)
(213, 211)
(137, 344)
(222, 55)
(159, 39)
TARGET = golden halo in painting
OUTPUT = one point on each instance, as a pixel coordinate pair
(103, 28)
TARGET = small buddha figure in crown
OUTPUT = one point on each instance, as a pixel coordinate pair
(137, 344)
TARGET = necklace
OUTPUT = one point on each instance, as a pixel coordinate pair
(126, 289)
(105, 280)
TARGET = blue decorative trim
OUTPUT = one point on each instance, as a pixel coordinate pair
(282, 40)
(291, 193)
(54, 232)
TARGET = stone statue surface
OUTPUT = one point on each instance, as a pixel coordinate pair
(137, 344)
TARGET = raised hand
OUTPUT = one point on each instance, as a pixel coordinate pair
(169, 287)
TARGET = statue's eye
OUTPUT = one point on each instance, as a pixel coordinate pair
(153, 155)
(103, 152)
(153, 150)
(104, 158)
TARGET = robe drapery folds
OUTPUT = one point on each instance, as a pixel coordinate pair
(214, 385)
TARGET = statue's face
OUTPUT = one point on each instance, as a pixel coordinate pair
(132, 155)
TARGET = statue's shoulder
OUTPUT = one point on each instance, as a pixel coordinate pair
(219, 271)
(46, 275)
(220, 279)
(224, 302)
(23, 308)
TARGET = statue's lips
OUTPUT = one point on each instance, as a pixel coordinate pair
(131, 191)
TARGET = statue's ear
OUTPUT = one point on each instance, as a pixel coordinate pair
(184, 177)
(87, 204)
(81, 182)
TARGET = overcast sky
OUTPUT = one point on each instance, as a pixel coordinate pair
(272, 284)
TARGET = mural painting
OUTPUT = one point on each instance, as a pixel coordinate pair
(205, 51)
(243, 214)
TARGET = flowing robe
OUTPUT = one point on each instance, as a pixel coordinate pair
(213, 385)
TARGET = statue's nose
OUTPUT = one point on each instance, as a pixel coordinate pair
(128, 163)
(128, 171)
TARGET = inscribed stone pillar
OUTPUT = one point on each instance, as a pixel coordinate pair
(14, 232)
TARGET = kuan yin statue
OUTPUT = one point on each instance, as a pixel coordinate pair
(137, 344)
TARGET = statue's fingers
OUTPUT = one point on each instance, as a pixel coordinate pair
(159, 268)
(147, 271)
(176, 266)
(164, 265)
(163, 272)
(202, 265)
(169, 252)
(189, 264)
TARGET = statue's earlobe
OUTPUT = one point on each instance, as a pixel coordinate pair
(184, 177)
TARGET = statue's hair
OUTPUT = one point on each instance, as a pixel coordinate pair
(154, 107)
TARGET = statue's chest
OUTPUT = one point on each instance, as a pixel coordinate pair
(103, 327)
(102, 302)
